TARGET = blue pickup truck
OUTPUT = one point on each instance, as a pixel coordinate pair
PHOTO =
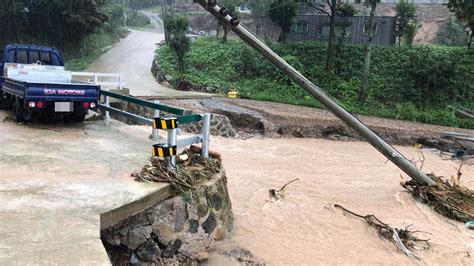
(35, 84)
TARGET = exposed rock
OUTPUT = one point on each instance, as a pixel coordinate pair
(209, 224)
(179, 215)
(184, 227)
(137, 236)
(202, 256)
(164, 232)
(219, 234)
(172, 248)
(184, 85)
(193, 226)
(216, 200)
(134, 260)
(149, 251)
(168, 77)
(165, 83)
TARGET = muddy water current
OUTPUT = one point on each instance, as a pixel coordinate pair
(305, 228)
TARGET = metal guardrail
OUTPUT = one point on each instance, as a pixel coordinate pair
(116, 84)
(183, 117)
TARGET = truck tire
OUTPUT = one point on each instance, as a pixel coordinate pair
(17, 110)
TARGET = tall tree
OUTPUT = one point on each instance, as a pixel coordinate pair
(260, 9)
(372, 4)
(176, 26)
(333, 9)
(283, 13)
(464, 11)
(405, 13)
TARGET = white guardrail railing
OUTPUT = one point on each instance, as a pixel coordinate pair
(97, 78)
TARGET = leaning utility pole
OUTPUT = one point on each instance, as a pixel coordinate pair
(222, 14)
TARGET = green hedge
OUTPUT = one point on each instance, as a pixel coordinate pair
(410, 83)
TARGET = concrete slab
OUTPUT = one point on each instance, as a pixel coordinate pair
(56, 180)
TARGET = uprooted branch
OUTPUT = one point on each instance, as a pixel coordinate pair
(278, 194)
(404, 239)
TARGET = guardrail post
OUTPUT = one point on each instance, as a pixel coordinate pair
(172, 138)
(205, 131)
(95, 78)
(155, 134)
(107, 103)
(120, 81)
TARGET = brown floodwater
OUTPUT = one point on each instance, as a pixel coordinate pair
(305, 228)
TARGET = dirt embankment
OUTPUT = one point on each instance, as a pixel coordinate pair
(250, 117)
(430, 17)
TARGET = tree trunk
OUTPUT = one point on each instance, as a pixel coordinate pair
(218, 29)
(368, 54)
(225, 30)
(332, 33)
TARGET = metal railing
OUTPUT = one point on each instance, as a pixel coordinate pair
(182, 116)
(98, 76)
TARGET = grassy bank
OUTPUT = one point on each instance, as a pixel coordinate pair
(406, 83)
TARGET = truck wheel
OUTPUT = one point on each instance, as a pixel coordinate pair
(17, 110)
(27, 115)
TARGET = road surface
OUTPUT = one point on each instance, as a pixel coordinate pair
(133, 57)
(56, 180)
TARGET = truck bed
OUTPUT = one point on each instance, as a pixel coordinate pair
(75, 90)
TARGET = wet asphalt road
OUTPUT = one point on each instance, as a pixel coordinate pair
(56, 180)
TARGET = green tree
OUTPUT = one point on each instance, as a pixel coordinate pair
(362, 97)
(333, 9)
(283, 13)
(464, 11)
(176, 27)
(411, 30)
(260, 9)
(405, 13)
(451, 33)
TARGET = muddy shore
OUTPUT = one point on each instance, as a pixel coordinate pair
(276, 120)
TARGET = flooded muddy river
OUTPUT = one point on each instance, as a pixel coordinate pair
(305, 228)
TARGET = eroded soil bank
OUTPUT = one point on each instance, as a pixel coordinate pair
(275, 120)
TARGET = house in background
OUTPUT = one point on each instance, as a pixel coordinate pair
(349, 29)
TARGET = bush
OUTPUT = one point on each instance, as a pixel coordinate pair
(413, 83)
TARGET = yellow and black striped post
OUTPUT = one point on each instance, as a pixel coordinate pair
(163, 150)
(165, 123)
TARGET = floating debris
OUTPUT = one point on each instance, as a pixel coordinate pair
(450, 199)
(404, 239)
(278, 194)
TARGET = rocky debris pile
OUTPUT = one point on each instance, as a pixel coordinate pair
(182, 228)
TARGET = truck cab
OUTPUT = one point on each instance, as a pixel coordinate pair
(34, 83)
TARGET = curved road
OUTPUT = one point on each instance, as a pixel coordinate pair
(133, 57)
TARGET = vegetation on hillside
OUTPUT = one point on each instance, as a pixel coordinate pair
(411, 83)
(82, 29)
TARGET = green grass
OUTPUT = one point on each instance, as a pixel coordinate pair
(414, 84)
